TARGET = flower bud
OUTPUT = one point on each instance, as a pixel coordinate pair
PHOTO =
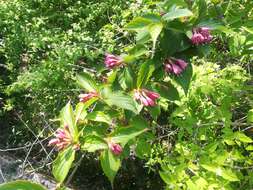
(115, 148)
(146, 97)
(112, 61)
(197, 39)
(62, 138)
(201, 35)
(175, 66)
(87, 96)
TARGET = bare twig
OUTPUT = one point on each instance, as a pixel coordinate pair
(74, 170)
(2, 175)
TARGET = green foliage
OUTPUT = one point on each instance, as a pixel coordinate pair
(63, 164)
(21, 185)
(110, 164)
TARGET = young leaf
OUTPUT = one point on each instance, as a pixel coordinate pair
(138, 23)
(166, 90)
(126, 79)
(229, 175)
(250, 116)
(123, 134)
(67, 116)
(184, 79)
(93, 143)
(21, 185)
(99, 116)
(143, 149)
(242, 137)
(87, 82)
(119, 99)
(63, 163)
(145, 73)
(110, 164)
(80, 111)
(177, 13)
(155, 30)
(165, 177)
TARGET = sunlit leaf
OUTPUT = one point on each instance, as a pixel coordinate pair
(63, 163)
(21, 185)
(110, 164)
(93, 143)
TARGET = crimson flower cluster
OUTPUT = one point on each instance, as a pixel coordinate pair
(62, 138)
(115, 148)
(146, 97)
(87, 96)
(112, 61)
(175, 66)
(201, 35)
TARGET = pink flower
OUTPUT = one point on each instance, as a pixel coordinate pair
(146, 97)
(87, 96)
(197, 39)
(62, 138)
(112, 61)
(175, 66)
(201, 35)
(115, 148)
(205, 32)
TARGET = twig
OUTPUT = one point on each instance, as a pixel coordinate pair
(74, 170)
(2, 175)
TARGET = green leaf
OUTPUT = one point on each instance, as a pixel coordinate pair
(138, 50)
(210, 167)
(110, 164)
(67, 116)
(169, 3)
(112, 76)
(143, 149)
(87, 82)
(138, 23)
(166, 90)
(63, 163)
(165, 177)
(126, 79)
(250, 116)
(143, 36)
(119, 99)
(229, 175)
(155, 30)
(201, 8)
(123, 134)
(93, 143)
(184, 79)
(242, 137)
(21, 185)
(172, 42)
(155, 111)
(145, 73)
(177, 13)
(99, 116)
(80, 111)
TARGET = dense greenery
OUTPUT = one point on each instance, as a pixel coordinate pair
(166, 82)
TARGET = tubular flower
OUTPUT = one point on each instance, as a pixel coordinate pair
(115, 148)
(176, 66)
(201, 35)
(146, 97)
(87, 96)
(62, 138)
(112, 61)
